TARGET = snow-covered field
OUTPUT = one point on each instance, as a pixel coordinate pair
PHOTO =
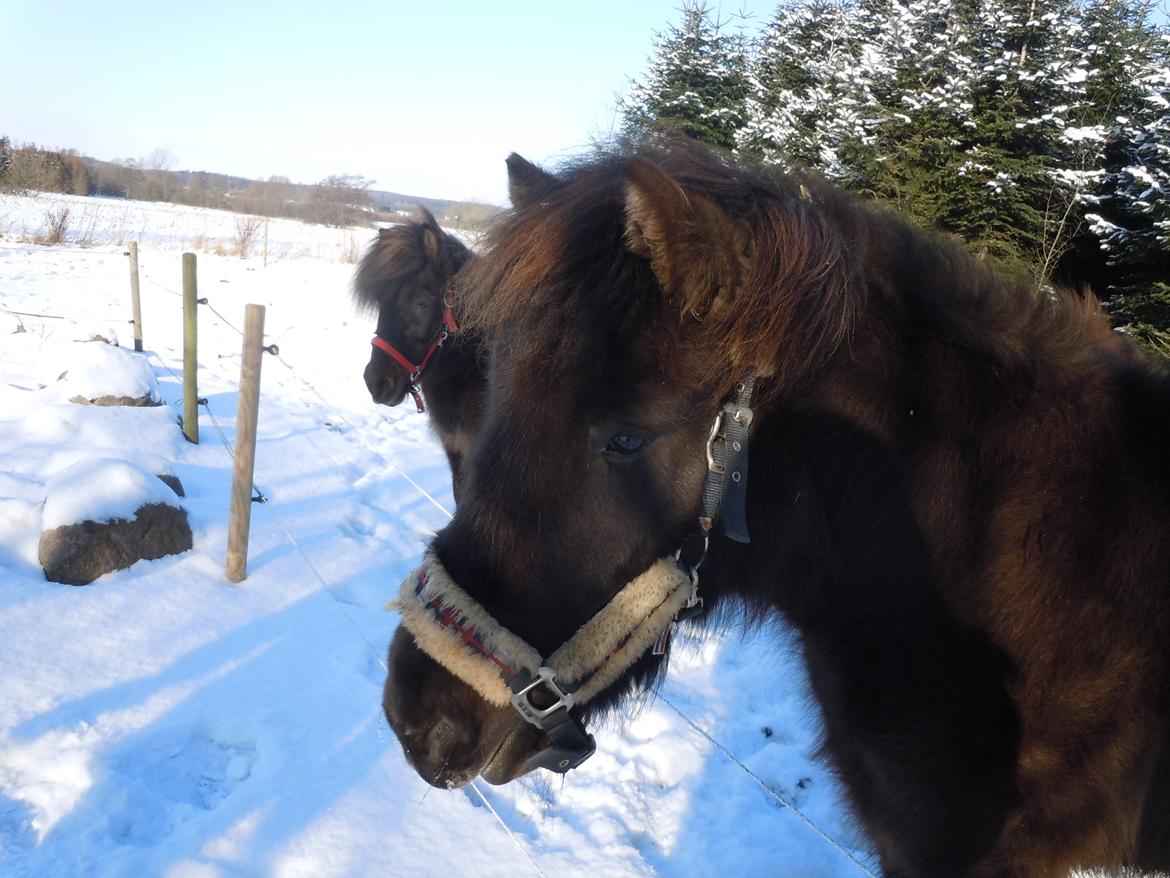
(163, 722)
(90, 222)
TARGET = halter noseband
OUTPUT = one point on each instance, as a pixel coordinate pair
(456, 631)
(447, 328)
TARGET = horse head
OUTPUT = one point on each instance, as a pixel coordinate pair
(608, 299)
(403, 277)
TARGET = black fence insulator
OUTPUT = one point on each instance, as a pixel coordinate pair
(273, 349)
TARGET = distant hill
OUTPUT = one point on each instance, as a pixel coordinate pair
(336, 201)
(276, 196)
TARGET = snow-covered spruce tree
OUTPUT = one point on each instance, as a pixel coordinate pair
(913, 82)
(696, 82)
(1116, 48)
(1130, 214)
(998, 191)
(1132, 218)
(800, 109)
(953, 110)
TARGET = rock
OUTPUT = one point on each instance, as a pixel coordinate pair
(77, 554)
(117, 400)
(101, 374)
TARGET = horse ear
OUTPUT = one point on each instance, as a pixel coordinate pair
(527, 182)
(432, 235)
(698, 252)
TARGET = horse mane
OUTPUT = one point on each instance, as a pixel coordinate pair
(820, 263)
(402, 251)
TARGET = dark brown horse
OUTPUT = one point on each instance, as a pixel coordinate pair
(958, 494)
(417, 349)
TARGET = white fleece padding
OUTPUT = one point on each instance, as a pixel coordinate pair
(446, 646)
(621, 633)
(606, 646)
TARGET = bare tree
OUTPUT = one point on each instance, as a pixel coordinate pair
(158, 165)
(340, 200)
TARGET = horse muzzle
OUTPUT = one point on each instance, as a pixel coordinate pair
(448, 734)
(386, 386)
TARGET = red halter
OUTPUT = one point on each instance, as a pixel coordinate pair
(448, 328)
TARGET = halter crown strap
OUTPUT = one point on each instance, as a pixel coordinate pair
(725, 488)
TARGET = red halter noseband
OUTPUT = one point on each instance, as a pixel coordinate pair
(448, 328)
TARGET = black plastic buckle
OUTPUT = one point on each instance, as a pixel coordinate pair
(571, 744)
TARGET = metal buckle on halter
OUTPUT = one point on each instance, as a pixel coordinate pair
(521, 700)
(741, 415)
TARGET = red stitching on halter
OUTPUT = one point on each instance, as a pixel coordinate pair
(451, 617)
(448, 328)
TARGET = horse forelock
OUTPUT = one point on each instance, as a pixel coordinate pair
(813, 267)
(556, 272)
(397, 254)
(564, 264)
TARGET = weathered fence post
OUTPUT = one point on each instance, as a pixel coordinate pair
(247, 414)
(190, 361)
(135, 300)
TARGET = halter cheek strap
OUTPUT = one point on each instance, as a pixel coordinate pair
(448, 328)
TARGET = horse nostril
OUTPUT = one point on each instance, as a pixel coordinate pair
(381, 390)
(449, 744)
(444, 735)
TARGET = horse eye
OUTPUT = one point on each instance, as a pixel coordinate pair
(422, 305)
(626, 443)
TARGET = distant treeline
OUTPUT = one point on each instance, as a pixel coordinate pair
(337, 200)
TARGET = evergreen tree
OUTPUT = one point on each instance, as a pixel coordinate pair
(799, 109)
(5, 157)
(914, 82)
(1131, 213)
(697, 81)
(1035, 130)
(1132, 222)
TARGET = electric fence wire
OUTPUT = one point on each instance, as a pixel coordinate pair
(770, 791)
(257, 495)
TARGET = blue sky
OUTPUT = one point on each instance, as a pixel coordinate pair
(426, 98)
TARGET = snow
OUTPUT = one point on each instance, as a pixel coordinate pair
(100, 490)
(1085, 132)
(164, 722)
(98, 369)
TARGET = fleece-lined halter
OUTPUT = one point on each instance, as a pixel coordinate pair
(448, 327)
(461, 635)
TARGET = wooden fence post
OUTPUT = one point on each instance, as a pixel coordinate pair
(265, 242)
(190, 361)
(135, 300)
(247, 415)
